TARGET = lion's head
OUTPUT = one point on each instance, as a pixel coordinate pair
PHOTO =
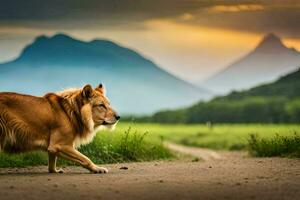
(97, 105)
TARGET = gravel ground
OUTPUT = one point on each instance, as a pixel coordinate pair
(234, 176)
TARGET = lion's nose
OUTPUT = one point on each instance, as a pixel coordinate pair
(117, 117)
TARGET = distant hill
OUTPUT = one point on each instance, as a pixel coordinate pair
(287, 86)
(269, 60)
(277, 102)
(135, 84)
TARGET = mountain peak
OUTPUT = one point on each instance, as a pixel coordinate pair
(43, 46)
(270, 43)
(270, 59)
(271, 37)
(59, 37)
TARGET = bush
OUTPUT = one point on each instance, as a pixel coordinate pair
(130, 146)
(285, 146)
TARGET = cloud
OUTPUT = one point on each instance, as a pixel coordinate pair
(78, 9)
(235, 8)
(280, 18)
(245, 15)
(187, 16)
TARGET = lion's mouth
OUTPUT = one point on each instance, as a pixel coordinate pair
(108, 123)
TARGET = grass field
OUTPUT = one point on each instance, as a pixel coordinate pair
(143, 142)
(223, 136)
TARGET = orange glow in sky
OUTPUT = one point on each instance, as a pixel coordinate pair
(190, 52)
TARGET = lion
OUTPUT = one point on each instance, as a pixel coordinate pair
(57, 123)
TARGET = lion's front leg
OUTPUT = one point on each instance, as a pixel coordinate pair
(72, 154)
(52, 163)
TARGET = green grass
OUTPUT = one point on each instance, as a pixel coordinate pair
(108, 147)
(286, 146)
(125, 146)
(23, 160)
(222, 136)
(143, 142)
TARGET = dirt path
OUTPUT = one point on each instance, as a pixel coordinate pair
(230, 176)
(201, 153)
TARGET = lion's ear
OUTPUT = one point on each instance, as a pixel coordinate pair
(101, 88)
(87, 91)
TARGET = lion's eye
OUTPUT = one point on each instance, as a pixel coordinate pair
(102, 106)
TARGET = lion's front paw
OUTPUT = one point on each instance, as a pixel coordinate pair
(100, 170)
(60, 170)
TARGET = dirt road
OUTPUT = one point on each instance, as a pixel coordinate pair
(231, 176)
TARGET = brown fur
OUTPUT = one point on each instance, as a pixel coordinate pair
(57, 123)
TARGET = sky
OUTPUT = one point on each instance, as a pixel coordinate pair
(192, 39)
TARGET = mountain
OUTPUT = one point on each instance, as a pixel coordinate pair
(276, 102)
(269, 60)
(135, 84)
(287, 86)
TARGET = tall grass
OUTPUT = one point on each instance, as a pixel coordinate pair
(130, 146)
(107, 147)
(287, 146)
